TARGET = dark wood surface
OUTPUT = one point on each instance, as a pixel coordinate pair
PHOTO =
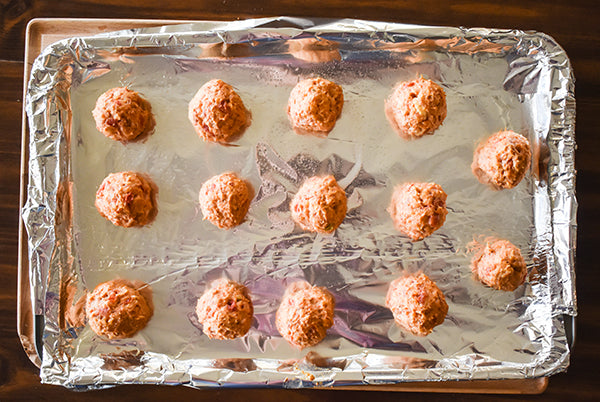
(575, 24)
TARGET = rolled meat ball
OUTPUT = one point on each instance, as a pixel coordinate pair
(500, 265)
(123, 115)
(417, 304)
(416, 108)
(224, 200)
(502, 160)
(119, 308)
(127, 199)
(218, 113)
(418, 209)
(225, 310)
(320, 205)
(305, 314)
(314, 106)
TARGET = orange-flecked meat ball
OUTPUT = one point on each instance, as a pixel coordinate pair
(416, 108)
(123, 115)
(418, 209)
(319, 205)
(119, 308)
(500, 265)
(314, 106)
(305, 314)
(127, 199)
(502, 160)
(225, 310)
(218, 113)
(417, 304)
(224, 200)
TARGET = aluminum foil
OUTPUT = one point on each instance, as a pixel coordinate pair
(494, 79)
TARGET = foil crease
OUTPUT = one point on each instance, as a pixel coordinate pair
(494, 79)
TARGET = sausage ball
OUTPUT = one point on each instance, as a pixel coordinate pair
(418, 209)
(417, 304)
(119, 308)
(225, 310)
(416, 108)
(314, 106)
(224, 200)
(319, 205)
(305, 314)
(123, 115)
(218, 113)
(127, 199)
(500, 265)
(502, 160)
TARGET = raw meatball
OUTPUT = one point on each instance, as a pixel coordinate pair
(224, 200)
(319, 205)
(225, 310)
(127, 199)
(416, 108)
(418, 209)
(218, 113)
(305, 314)
(123, 115)
(119, 308)
(502, 160)
(417, 304)
(314, 106)
(500, 265)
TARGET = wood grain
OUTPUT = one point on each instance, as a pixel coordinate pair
(574, 24)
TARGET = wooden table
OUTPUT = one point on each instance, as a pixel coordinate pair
(574, 24)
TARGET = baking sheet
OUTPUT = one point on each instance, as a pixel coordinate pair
(493, 79)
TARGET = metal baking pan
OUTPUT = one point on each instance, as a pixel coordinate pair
(494, 79)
